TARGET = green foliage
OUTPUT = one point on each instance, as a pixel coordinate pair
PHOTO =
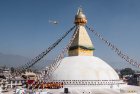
(127, 71)
(12, 69)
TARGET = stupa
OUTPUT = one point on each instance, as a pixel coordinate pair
(83, 73)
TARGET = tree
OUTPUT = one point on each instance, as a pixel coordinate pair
(12, 69)
(127, 71)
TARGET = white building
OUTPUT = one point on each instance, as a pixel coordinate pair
(83, 73)
(15, 82)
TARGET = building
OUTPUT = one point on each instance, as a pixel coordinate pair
(3, 85)
(4, 75)
(15, 82)
(5, 71)
(134, 79)
(82, 72)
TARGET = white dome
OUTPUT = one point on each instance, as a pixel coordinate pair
(84, 68)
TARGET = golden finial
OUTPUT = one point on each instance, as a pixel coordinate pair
(80, 18)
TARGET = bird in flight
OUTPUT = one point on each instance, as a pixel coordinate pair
(53, 21)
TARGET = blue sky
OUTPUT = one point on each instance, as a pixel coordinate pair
(25, 30)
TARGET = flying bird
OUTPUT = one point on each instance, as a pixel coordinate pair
(53, 21)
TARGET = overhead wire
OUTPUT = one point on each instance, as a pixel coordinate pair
(115, 49)
(35, 60)
(58, 59)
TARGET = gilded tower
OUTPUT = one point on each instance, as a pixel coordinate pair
(81, 45)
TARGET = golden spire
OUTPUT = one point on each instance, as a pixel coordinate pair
(81, 45)
(80, 18)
